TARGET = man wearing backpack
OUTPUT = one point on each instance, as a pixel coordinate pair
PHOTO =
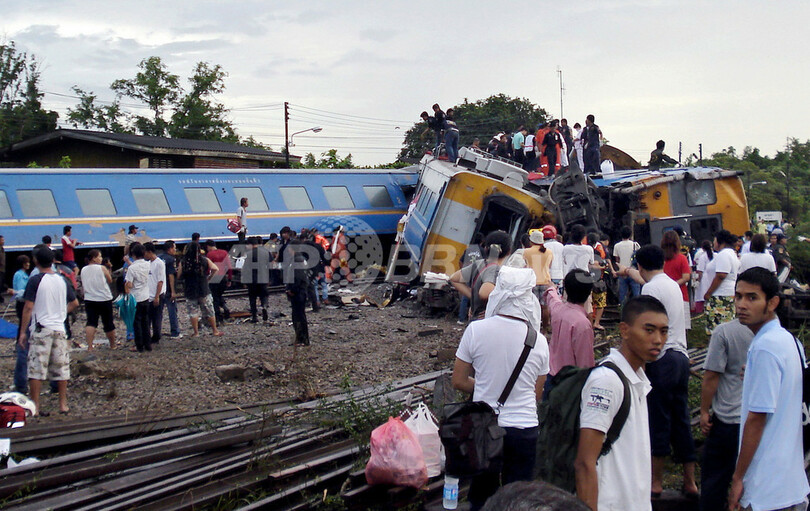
(770, 467)
(621, 479)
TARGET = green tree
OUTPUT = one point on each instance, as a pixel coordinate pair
(328, 160)
(88, 114)
(480, 119)
(195, 114)
(198, 115)
(155, 86)
(21, 112)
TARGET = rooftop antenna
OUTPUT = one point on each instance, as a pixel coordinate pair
(559, 73)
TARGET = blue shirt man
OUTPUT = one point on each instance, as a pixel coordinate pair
(771, 404)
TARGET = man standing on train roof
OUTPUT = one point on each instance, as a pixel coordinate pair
(658, 158)
(241, 217)
(517, 145)
(590, 139)
(551, 141)
(68, 244)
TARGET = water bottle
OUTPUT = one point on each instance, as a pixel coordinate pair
(450, 500)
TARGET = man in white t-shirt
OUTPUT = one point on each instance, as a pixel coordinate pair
(575, 254)
(241, 215)
(48, 300)
(490, 349)
(668, 405)
(137, 283)
(722, 270)
(621, 478)
(623, 252)
(157, 290)
(770, 466)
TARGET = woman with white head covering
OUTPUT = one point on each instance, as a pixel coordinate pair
(513, 296)
(490, 349)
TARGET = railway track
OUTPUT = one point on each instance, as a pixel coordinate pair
(274, 455)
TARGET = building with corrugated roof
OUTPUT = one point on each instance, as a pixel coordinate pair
(96, 149)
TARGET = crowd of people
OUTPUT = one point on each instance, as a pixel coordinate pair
(546, 149)
(49, 285)
(751, 398)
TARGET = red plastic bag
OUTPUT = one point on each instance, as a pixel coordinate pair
(396, 457)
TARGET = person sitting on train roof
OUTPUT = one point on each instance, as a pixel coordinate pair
(658, 158)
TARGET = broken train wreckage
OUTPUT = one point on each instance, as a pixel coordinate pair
(482, 193)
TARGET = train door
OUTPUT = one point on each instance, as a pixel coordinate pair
(704, 228)
(501, 212)
(700, 228)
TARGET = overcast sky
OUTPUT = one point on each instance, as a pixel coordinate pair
(717, 73)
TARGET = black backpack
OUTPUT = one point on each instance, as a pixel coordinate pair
(558, 439)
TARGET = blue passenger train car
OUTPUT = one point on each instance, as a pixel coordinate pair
(173, 203)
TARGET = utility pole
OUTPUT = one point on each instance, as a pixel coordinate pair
(287, 133)
(559, 72)
(787, 180)
(680, 151)
(700, 154)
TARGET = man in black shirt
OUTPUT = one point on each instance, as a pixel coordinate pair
(658, 158)
(590, 139)
(296, 277)
(551, 141)
(168, 256)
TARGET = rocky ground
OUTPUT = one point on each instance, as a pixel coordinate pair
(363, 343)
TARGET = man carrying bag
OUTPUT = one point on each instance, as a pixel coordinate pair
(492, 438)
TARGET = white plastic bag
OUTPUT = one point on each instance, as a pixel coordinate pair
(426, 428)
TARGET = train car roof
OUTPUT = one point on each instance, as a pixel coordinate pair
(412, 169)
(622, 178)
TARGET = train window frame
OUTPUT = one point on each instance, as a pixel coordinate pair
(206, 200)
(291, 195)
(26, 203)
(5, 206)
(697, 193)
(151, 201)
(94, 201)
(249, 192)
(373, 193)
(327, 190)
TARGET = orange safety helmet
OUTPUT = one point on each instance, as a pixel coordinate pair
(549, 232)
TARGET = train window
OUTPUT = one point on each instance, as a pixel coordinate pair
(96, 202)
(151, 201)
(338, 197)
(5, 207)
(378, 196)
(295, 197)
(701, 193)
(202, 200)
(254, 196)
(36, 203)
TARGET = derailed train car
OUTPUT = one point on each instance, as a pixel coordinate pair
(482, 193)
